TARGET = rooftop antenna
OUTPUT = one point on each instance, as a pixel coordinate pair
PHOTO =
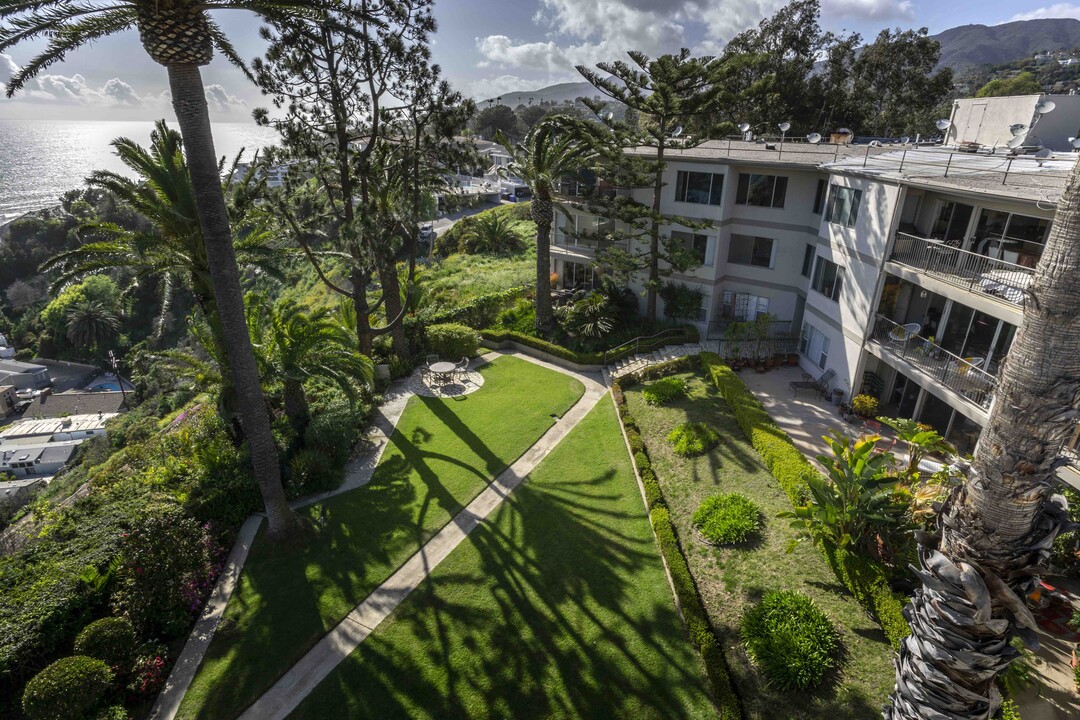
(1016, 142)
(1018, 129)
(1043, 155)
(677, 131)
(608, 116)
(784, 127)
(1044, 107)
(1075, 142)
(905, 140)
(744, 128)
(813, 138)
(943, 125)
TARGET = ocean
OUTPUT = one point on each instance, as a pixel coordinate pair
(41, 159)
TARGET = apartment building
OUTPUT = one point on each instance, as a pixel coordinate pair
(902, 268)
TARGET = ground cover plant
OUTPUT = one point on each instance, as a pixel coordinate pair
(732, 579)
(790, 639)
(442, 454)
(727, 519)
(664, 390)
(556, 607)
(692, 439)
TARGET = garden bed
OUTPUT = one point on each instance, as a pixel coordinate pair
(730, 579)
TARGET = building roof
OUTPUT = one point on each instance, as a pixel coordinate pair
(795, 152)
(74, 403)
(50, 426)
(16, 366)
(59, 452)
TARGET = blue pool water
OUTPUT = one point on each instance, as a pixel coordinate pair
(105, 387)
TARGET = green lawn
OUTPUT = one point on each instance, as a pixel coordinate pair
(557, 607)
(731, 578)
(443, 453)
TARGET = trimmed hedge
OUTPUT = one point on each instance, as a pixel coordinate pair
(496, 335)
(67, 690)
(865, 579)
(694, 616)
(111, 639)
(452, 340)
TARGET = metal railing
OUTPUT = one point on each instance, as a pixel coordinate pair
(646, 343)
(569, 241)
(971, 271)
(951, 371)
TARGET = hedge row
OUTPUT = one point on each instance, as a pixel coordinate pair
(498, 335)
(865, 579)
(693, 611)
(479, 312)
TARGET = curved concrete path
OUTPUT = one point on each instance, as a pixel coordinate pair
(336, 645)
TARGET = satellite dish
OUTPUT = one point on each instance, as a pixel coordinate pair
(875, 143)
(1016, 141)
(813, 138)
(1043, 155)
(905, 140)
(943, 125)
(743, 127)
(677, 131)
(1018, 129)
(1075, 142)
(1045, 106)
(784, 127)
(608, 116)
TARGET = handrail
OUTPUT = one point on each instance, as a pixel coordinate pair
(948, 369)
(624, 349)
(966, 269)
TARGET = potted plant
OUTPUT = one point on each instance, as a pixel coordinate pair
(865, 406)
(793, 359)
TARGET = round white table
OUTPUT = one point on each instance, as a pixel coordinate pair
(442, 370)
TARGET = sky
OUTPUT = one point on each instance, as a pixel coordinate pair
(485, 47)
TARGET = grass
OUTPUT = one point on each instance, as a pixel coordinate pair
(442, 454)
(731, 579)
(557, 607)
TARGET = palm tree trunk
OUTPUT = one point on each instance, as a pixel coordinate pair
(997, 528)
(189, 102)
(543, 214)
(296, 405)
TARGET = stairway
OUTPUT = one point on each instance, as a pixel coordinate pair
(635, 363)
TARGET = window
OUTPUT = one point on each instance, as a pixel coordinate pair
(819, 196)
(843, 206)
(747, 250)
(702, 246)
(698, 187)
(761, 190)
(742, 307)
(814, 345)
(828, 278)
(808, 260)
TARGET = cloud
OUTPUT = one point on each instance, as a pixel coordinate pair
(221, 101)
(1058, 10)
(8, 68)
(869, 9)
(71, 89)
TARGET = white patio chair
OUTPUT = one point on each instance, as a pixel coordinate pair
(902, 333)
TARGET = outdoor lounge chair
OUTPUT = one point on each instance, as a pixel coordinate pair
(461, 370)
(821, 385)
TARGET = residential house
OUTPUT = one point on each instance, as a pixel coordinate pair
(24, 376)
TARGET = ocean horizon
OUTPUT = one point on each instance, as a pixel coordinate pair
(42, 159)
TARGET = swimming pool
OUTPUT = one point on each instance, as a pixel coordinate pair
(105, 387)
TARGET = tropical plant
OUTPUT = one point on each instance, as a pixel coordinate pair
(90, 323)
(294, 346)
(856, 506)
(921, 440)
(790, 639)
(181, 36)
(727, 519)
(492, 233)
(551, 150)
(864, 405)
(593, 316)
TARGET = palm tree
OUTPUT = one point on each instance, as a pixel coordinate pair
(90, 323)
(996, 529)
(181, 36)
(550, 151)
(493, 233)
(294, 346)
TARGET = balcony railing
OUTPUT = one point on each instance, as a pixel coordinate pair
(971, 271)
(575, 243)
(952, 371)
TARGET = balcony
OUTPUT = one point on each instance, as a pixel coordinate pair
(960, 375)
(962, 268)
(588, 246)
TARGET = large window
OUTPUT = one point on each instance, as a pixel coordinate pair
(1014, 238)
(819, 196)
(742, 307)
(814, 345)
(761, 190)
(702, 246)
(828, 278)
(808, 259)
(843, 206)
(698, 187)
(747, 250)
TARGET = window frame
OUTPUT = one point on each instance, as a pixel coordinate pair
(715, 193)
(777, 191)
(809, 256)
(754, 241)
(817, 280)
(848, 215)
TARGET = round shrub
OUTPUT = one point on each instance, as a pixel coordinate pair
(790, 639)
(664, 390)
(727, 519)
(452, 341)
(692, 439)
(67, 690)
(111, 639)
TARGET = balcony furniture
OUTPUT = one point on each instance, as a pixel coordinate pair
(965, 367)
(442, 373)
(1007, 284)
(821, 385)
(461, 370)
(900, 334)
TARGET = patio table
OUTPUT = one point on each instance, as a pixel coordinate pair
(442, 370)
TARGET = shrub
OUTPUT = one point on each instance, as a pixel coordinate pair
(149, 671)
(865, 405)
(1074, 621)
(311, 471)
(790, 639)
(868, 582)
(520, 318)
(496, 335)
(67, 690)
(452, 340)
(693, 439)
(113, 712)
(1009, 710)
(727, 519)
(664, 390)
(111, 639)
